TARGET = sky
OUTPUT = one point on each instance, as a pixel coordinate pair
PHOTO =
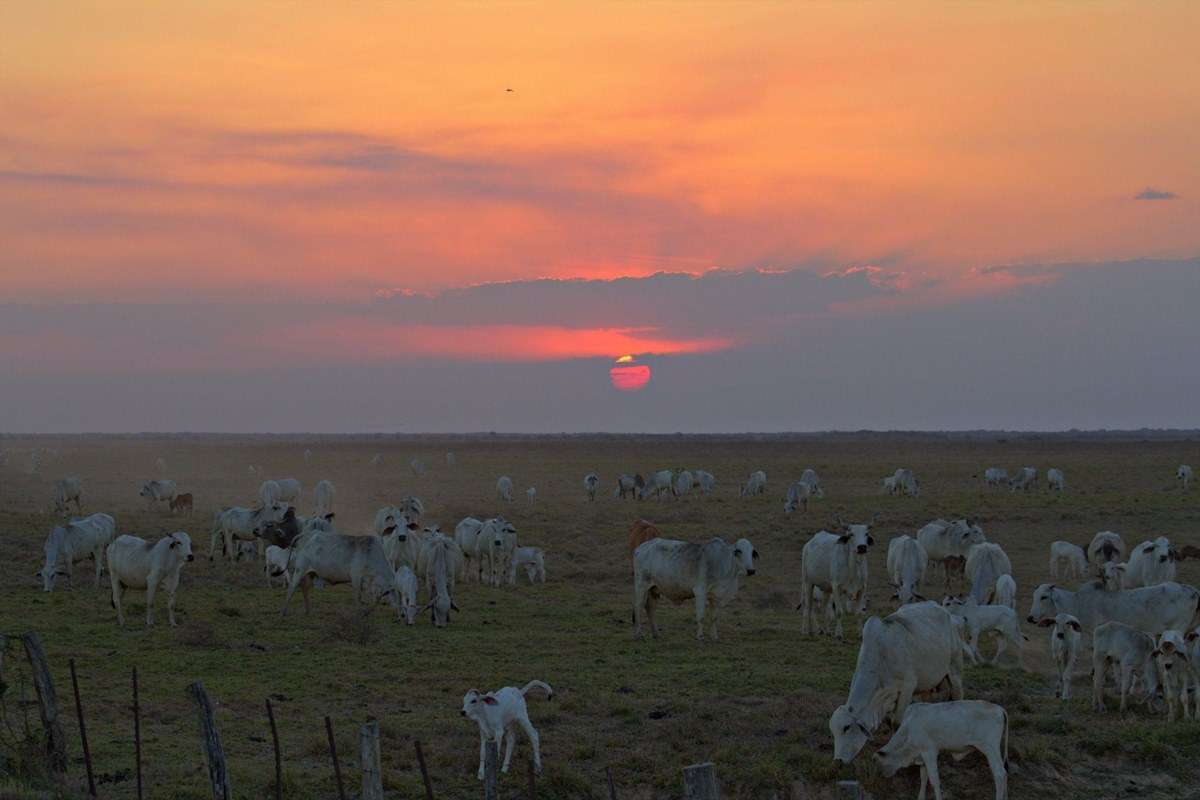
(415, 217)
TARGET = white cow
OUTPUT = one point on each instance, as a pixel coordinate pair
(912, 650)
(307, 456)
(906, 564)
(401, 542)
(591, 483)
(406, 585)
(889, 485)
(1150, 563)
(73, 542)
(810, 477)
(338, 558)
(1171, 654)
(451, 460)
(498, 714)
(1067, 561)
(704, 481)
(277, 564)
(1025, 479)
(158, 491)
(797, 497)
(268, 493)
(1127, 651)
(1105, 546)
(681, 571)
(981, 619)
(945, 540)
(1006, 592)
(531, 495)
(995, 476)
(242, 524)
(324, 494)
(531, 560)
(161, 465)
(837, 565)
(497, 540)
(1064, 649)
(417, 466)
(660, 483)
(755, 484)
(466, 535)
(683, 483)
(986, 562)
(504, 488)
(958, 727)
(134, 563)
(438, 563)
(1153, 609)
(289, 491)
(626, 487)
(1055, 480)
(907, 482)
(67, 490)
(1184, 475)
(376, 459)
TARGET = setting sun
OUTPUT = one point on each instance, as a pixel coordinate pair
(629, 376)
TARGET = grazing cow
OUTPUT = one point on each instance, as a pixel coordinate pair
(252, 470)
(498, 714)
(906, 564)
(837, 565)
(67, 490)
(625, 487)
(958, 726)
(1153, 609)
(324, 494)
(683, 483)
(417, 466)
(591, 482)
(889, 485)
(466, 536)
(1006, 592)
(797, 497)
(282, 532)
(338, 558)
(438, 564)
(277, 564)
(504, 488)
(401, 541)
(1150, 563)
(73, 542)
(981, 619)
(268, 494)
(406, 585)
(1067, 561)
(498, 540)
(531, 494)
(682, 571)
(1127, 651)
(755, 484)
(289, 491)
(907, 482)
(451, 460)
(810, 477)
(995, 476)
(1025, 479)
(182, 503)
(241, 523)
(412, 508)
(1055, 480)
(376, 459)
(307, 456)
(1184, 475)
(986, 562)
(704, 481)
(1105, 546)
(640, 532)
(1172, 657)
(158, 491)
(661, 483)
(914, 649)
(945, 540)
(134, 563)
(532, 560)
(1064, 648)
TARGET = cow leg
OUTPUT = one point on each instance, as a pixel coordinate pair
(511, 736)
(534, 741)
(1126, 683)
(701, 602)
(639, 606)
(151, 588)
(715, 609)
(212, 545)
(651, 605)
(999, 774)
(171, 584)
(305, 588)
(924, 782)
(117, 592)
(929, 759)
(297, 578)
(482, 753)
(98, 557)
(1098, 685)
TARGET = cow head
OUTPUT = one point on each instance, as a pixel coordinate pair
(475, 702)
(849, 734)
(181, 544)
(857, 536)
(1112, 575)
(745, 557)
(1044, 604)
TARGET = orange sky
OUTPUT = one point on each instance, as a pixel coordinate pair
(286, 150)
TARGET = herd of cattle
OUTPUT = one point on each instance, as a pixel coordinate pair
(1144, 628)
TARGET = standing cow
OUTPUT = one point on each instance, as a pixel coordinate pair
(680, 571)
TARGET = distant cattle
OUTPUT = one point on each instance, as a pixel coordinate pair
(683, 483)
(157, 491)
(797, 497)
(338, 558)
(68, 490)
(626, 487)
(1025, 479)
(591, 482)
(995, 476)
(1055, 480)
(530, 559)
(660, 483)
(451, 460)
(755, 484)
(679, 571)
(704, 481)
(531, 494)
(1184, 475)
(182, 503)
(1067, 561)
(504, 488)
(324, 494)
(906, 482)
(417, 466)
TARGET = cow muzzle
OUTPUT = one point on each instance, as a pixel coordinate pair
(862, 549)
(191, 557)
(1031, 620)
(750, 571)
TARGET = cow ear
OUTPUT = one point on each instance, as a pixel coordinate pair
(1075, 624)
(1148, 548)
(174, 543)
(412, 526)
(920, 597)
(1045, 622)
(754, 554)
(329, 517)
(491, 701)
(845, 537)
(389, 530)
(870, 539)
(1191, 636)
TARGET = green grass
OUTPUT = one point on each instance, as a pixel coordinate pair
(756, 702)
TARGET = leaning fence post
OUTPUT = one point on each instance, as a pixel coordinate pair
(850, 790)
(337, 768)
(491, 765)
(532, 782)
(56, 743)
(612, 789)
(424, 770)
(369, 759)
(87, 753)
(700, 782)
(137, 734)
(278, 755)
(218, 773)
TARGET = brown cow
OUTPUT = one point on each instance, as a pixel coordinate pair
(182, 502)
(642, 531)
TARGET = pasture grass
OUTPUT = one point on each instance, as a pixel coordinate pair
(756, 702)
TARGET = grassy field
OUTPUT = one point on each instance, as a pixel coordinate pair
(756, 703)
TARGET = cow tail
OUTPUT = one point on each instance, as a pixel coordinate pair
(537, 685)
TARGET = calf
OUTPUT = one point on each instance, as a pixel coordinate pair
(957, 726)
(1055, 481)
(1172, 656)
(640, 532)
(406, 585)
(756, 484)
(531, 495)
(68, 490)
(1127, 651)
(1067, 561)
(1064, 647)
(181, 503)
(134, 563)
(498, 714)
(277, 562)
(981, 619)
(532, 560)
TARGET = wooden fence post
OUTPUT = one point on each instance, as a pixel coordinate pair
(87, 753)
(700, 782)
(532, 781)
(424, 770)
(210, 738)
(850, 790)
(612, 788)
(56, 742)
(337, 768)
(278, 755)
(491, 766)
(369, 759)
(137, 734)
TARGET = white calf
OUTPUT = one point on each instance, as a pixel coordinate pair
(957, 726)
(504, 488)
(1064, 647)
(1067, 561)
(498, 714)
(1171, 654)
(532, 560)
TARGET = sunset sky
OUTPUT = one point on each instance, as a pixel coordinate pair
(297, 216)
